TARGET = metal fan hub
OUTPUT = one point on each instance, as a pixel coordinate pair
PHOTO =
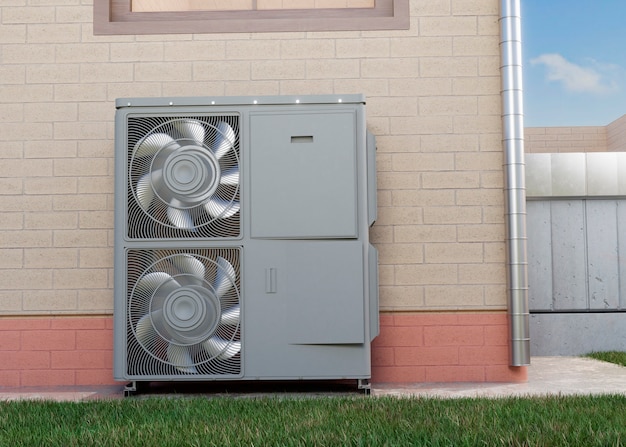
(191, 174)
(191, 314)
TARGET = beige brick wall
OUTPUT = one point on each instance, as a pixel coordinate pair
(611, 138)
(616, 135)
(433, 102)
(565, 139)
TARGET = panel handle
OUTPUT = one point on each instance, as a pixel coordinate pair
(302, 138)
(270, 280)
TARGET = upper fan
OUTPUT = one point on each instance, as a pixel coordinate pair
(184, 313)
(183, 177)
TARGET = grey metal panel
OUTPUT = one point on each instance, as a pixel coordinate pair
(373, 292)
(335, 278)
(372, 188)
(577, 334)
(568, 255)
(598, 248)
(621, 251)
(602, 177)
(621, 173)
(260, 100)
(568, 174)
(325, 304)
(576, 174)
(306, 299)
(538, 175)
(303, 175)
(120, 304)
(602, 255)
(601, 260)
(539, 255)
(280, 361)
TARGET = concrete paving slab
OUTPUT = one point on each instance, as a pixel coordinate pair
(546, 376)
(62, 393)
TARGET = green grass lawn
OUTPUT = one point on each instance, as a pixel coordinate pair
(320, 421)
(617, 357)
(334, 421)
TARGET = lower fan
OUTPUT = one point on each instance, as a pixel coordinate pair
(184, 313)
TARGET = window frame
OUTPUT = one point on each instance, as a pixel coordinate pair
(115, 17)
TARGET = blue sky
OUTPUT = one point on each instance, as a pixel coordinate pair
(574, 62)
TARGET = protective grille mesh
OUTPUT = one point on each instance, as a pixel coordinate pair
(183, 313)
(183, 177)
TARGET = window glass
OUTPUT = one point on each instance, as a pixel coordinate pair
(223, 16)
(245, 5)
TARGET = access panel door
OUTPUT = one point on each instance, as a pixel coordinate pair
(303, 170)
(304, 310)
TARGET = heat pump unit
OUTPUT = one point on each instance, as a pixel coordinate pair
(242, 239)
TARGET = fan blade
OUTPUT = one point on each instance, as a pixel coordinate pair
(150, 145)
(191, 129)
(220, 348)
(224, 278)
(180, 218)
(145, 193)
(160, 189)
(231, 316)
(190, 265)
(149, 283)
(145, 331)
(224, 141)
(159, 160)
(158, 323)
(181, 358)
(221, 208)
(230, 177)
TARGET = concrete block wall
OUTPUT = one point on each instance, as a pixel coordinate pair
(616, 135)
(56, 351)
(433, 95)
(565, 139)
(436, 347)
(609, 138)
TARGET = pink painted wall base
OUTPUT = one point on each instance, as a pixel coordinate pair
(55, 351)
(411, 348)
(444, 347)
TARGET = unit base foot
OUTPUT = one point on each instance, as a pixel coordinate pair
(365, 386)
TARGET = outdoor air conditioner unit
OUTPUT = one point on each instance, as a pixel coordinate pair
(241, 239)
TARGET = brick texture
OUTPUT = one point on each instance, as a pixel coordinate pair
(616, 135)
(582, 139)
(433, 103)
(412, 347)
(433, 95)
(444, 347)
(51, 351)
(565, 139)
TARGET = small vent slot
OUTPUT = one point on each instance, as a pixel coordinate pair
(302, 139)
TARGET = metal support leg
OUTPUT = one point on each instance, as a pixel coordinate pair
(365, 386)
(132, 388)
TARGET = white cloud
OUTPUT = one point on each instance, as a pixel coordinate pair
(595, 78)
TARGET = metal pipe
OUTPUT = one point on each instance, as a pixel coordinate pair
(515, 188)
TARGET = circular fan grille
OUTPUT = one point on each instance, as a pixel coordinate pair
(184, 312)
(183, 177)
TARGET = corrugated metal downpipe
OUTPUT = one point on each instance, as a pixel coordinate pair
(515, 189)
